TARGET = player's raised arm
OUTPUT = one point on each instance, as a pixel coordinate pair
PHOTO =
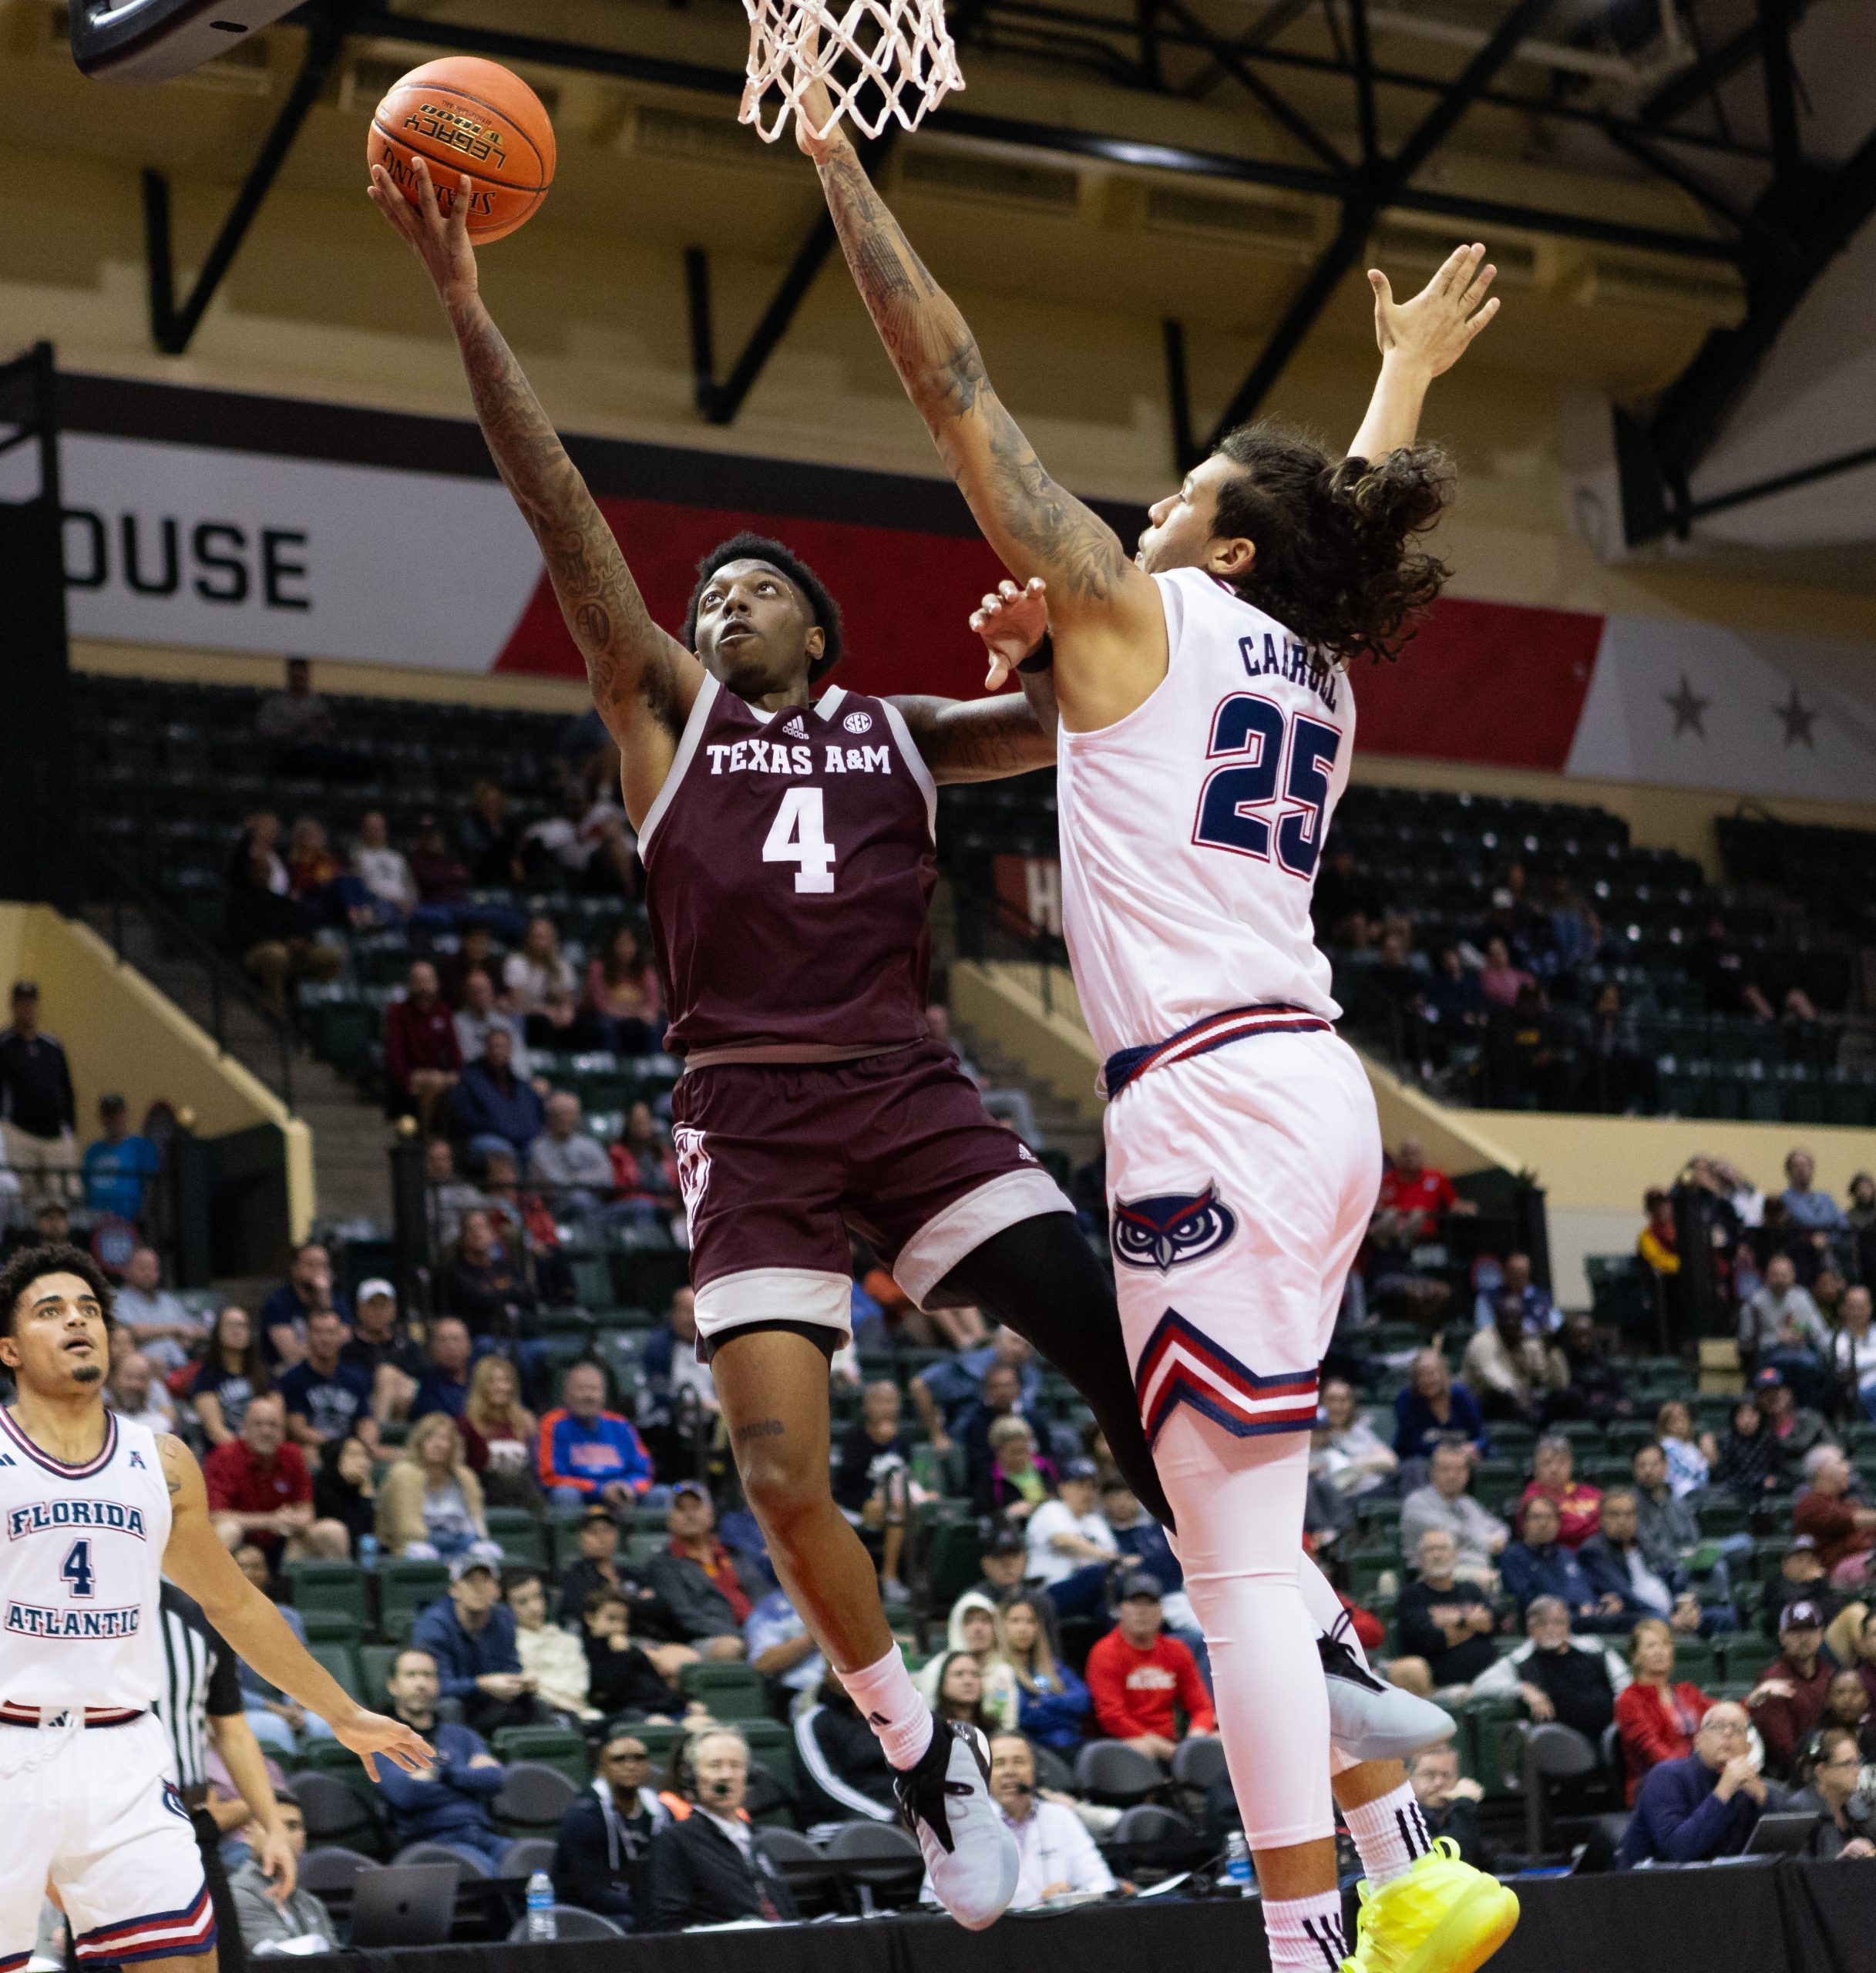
(643, 680)
(198, 1564)
(990, 739)
(1420, 339)
(1037, 527)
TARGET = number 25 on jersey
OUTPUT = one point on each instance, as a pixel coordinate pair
(799, 835)
(1239, 808)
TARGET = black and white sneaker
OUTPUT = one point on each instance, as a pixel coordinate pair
(1370, 1720)
(969, 1851)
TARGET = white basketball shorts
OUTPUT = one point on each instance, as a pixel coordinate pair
(93, 1812)
(1240, 1184)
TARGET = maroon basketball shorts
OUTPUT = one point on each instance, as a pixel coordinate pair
(777, 1161)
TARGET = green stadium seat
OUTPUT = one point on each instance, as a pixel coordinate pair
(341, 1661)
(552, 1747)
(730, 1691)
(341, 1586)
(523, 1536)
(773, 1745)
(330, 1626)
(953, 1562)
(375, 1664)
(405, 1587)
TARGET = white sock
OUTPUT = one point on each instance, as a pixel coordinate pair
(890, 1704)
(1305, 1934)
(1390, 1833)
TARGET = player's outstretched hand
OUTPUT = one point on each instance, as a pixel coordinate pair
(813, 133)
(370, 1733)
(1436, 327)
(441, 243)
(1011, 623)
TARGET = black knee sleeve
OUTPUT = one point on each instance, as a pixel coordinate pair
(1041, 1279)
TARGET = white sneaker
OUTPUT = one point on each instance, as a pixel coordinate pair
(969, 1850)
(1370, 1719)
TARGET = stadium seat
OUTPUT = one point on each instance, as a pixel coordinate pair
(525, 1856)
(571, 1922)
(340, 1586)
(813, 1879)
(880, 1860)
(523, 1536)
(335, 1812)
(554, 1747)
(405, 1587)
(1112, 1772)
(730, 1691)
(534, 1796)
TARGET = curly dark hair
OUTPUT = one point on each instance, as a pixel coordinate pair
(747, 547)
(1335, 562)
(31, 1263)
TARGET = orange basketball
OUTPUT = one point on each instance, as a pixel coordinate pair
(464, 115)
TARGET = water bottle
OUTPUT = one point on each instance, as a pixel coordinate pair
(540, 1905)
(1237, 1863)
(367, 1551)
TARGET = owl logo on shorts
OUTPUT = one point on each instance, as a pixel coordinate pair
(693, 1170)
(1174, 1228)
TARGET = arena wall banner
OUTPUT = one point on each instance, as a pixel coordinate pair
(223, 521)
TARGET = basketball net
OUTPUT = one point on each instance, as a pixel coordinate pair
(895, 55)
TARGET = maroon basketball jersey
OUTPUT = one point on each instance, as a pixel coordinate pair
(790, 863)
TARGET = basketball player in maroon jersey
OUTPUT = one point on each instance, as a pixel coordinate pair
(788, 840)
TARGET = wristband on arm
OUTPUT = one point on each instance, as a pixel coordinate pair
(1042, 658)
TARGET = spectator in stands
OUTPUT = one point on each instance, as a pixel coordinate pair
(643, 1165)
(844, 1774)
(480, 1283)
(326, 1398)
(270, 928)
(475, 952)
(270, 1915)
(1795, 1429)
(470, 1636)
(1655, 1717)
(259, 1490)
(1617, 1076)
(975, 1630)
(589, 1453)
(538, 966)
(231, 1375)
(1788, 1700)
(1749, 1465)
(598, 1536)
(1557, 1675)
(1058, 1854)
(621, 1678)
(602, 1858)
(1513, 1372)
(1434, 1410)
(1499, 980)
(308, 1286)
(1137, 1677)
(136, 1393)
(380, 1347)
(943, 1393)
(573, 1165)
(120, 1165)
(499, 1434)
(1669, 1532)
(446, 1384)
(1834, 1767)
(1454, 1005)
(1690, 1458)
(1597, 1389)
(1016, 1481)
(162, 1327)
(872, 1476)
(1617, 1565)
(1496, 1280)
(479, 1017)
(494, 1108)
(706, 1868)
(430, 1505)
(1479, 1537)
(1702, 1805)
(442, 880)
(1781, 1329)
(564, 1026)
(345, 1490)
(1847, 1704)
(1422, 1195)
(1721, 968)
(1144, 1547)
(1445, 1623)
(623, 989)
(421, 1056)
(697, 1576)
(782, 1648)
(382, 871)
(38, 1117)
(1003, 1561)
(1537, 1565)
(1852, 1359)
(1844, 1530)
(1816, 1214)
(1053, 1703)
(446, 1196)
(1001, 1399)
(1071, 1548)
(1577, 1504)
(1449, 1802)
(490, 837)
(1354, 1455)
(1801, 1579)
(953, 1684)
(448, 1802)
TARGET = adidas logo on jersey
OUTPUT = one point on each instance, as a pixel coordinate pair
(795, 729)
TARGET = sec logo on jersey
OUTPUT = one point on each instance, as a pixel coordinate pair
(858, 722)
(1176, 1227)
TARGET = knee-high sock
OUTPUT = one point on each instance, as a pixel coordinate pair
(1239, 1507)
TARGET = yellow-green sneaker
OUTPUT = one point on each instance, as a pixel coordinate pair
(1441, 1916)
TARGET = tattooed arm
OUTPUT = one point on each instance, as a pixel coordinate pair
(978, 739)
(643, 680)
(1110, 628)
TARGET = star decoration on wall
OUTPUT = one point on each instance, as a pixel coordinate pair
(1799, 719)
(1688, 707)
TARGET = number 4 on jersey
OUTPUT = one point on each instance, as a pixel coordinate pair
(799, 835)
(76, 1568)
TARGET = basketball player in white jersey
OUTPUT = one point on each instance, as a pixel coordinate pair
(1206, 723)
(94, 1512)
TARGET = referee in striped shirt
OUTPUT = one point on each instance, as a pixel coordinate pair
(201, 1707)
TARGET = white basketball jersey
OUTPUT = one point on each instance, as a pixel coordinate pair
(1191, 829)
(81, 1568)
